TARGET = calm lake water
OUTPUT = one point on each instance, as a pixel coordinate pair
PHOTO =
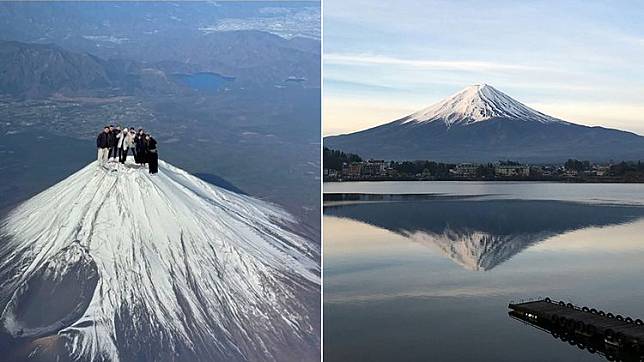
(430, 279)
(208, 83)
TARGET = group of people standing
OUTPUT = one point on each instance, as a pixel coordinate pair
(114, 144)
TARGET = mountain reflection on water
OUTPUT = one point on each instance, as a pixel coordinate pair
(481, 234)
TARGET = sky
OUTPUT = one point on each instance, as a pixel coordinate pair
(581, 61)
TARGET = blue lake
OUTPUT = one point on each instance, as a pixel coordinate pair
(205, 82)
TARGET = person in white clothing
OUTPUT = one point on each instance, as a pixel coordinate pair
(119, 143)
(125, 143)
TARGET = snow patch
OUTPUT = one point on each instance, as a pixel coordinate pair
(477, 103)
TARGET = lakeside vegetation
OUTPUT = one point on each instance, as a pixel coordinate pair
(341, 166)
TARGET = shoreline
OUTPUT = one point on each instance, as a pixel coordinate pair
(564, 180)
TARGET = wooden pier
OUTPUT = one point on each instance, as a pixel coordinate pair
(615, 336)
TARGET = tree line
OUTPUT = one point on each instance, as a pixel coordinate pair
(333, 159)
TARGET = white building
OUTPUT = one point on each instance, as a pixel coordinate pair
(512, 170)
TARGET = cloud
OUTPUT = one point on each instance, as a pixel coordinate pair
(355, 85)
(461, 65)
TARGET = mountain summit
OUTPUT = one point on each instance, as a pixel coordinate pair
(126, 265)
(478, 103)
(483, 124)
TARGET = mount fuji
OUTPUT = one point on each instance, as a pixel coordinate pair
(481, 234)
(114, 264)
(482, 124)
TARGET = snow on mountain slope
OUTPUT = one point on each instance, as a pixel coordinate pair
(159, 267)
(478, 103)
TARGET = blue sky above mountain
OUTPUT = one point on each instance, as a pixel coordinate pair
(579, 61)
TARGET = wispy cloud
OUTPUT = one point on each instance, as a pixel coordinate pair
(428, 64)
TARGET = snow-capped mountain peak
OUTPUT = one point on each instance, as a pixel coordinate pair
(477, 250)
(162, 267)
(476, 103)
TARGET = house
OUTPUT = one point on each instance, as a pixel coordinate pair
(571, 173)
(354, 169)
(373, 168)
(330, 173)
(512, 170)
(465, 170)
(601, 170)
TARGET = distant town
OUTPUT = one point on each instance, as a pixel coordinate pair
(340, 166)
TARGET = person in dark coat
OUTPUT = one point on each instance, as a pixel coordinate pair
(113, 143)
(152, 155)
(102, 144)
(139, 146)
